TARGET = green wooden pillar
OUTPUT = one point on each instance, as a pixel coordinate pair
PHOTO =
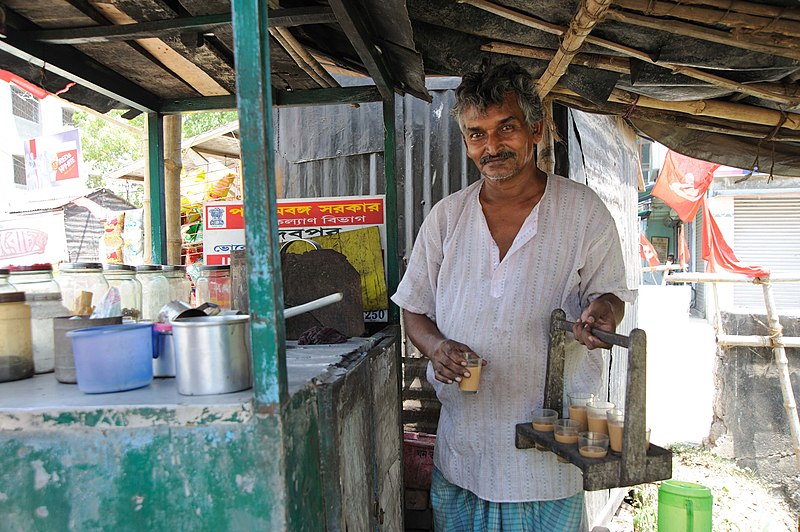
(390, 173)
(267, 331)
(155, 162)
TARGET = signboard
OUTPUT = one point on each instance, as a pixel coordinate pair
(33, 239)
(52, 159)
(223, 225)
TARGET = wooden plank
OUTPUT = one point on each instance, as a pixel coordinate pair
(136, 30)
(155, 181)
(598, 473)
(175, 62)
(352, 21)
(556, 354)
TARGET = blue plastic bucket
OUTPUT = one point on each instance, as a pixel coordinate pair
(114, 358)
(684, 507)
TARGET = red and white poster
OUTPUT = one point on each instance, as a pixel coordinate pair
(223, 221)
(32, 239)
(52, 160)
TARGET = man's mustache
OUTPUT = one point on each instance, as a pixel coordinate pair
(498, 156)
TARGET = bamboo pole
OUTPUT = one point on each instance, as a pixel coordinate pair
(173, 164)
(702, 277)
(750, 8)
(733, 340)
(782, 364)
(755, 43)
(717, 313)
(589, 14)
(555, 29)
(675, 119)
(723, 17)
(777, 92)
(545, 149)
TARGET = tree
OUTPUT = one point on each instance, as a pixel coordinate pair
(107, 145)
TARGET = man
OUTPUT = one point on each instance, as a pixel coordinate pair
(489, 265)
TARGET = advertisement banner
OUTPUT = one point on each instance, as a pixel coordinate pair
(33, 239)
(51, 160)
(223, 228)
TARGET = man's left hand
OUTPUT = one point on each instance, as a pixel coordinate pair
(603, 313)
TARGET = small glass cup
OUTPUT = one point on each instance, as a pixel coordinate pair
(596, 415)
(593, 444)
(543, 419)
(577, 407)
(616, 428)
(566, 431)
(472, 383)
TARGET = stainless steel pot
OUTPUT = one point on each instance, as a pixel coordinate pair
(212, 354)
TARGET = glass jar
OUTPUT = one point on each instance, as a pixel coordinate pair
(44, 307)
(37, 278)
(155, 290)
(5, 285)
(180, 287)
(214, 286)
(16, 349)
(123, 277)
(77, 279)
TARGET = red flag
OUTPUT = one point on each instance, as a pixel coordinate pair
(683, 182)
(647, 251)
(718, 254)
(683, 249)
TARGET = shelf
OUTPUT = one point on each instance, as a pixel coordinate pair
(599, 473)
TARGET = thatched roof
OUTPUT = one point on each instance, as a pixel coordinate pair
(715, 79)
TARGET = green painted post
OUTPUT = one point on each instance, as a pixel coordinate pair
(390, 172)
(267, 331)
(155, 163)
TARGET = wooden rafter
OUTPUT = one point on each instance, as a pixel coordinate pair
(734, 112)
(722, 17)
(192, 74)
(589, 13)
(749, 8)
(783, 94)
(756, 43)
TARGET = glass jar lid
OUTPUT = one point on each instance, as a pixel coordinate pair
(42, 296)
(120, 267)
(4, 271)
(173, 268)
(216, 267)
(12, 297)
(41, 267)
(148, 268)
(75, 266)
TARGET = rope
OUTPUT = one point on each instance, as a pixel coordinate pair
(631, 108)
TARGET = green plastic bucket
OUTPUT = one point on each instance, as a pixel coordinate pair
(684, 507)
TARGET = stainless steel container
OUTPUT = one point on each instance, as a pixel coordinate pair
(212, 354)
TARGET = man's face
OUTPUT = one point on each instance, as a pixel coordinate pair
(498, 141)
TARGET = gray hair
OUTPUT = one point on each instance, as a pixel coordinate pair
(490, 85)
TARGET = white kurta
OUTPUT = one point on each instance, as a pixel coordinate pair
(566, 254)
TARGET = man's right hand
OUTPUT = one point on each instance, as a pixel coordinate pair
(446, 356)
(448, 361)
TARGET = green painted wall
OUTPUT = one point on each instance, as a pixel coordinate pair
(214, 477)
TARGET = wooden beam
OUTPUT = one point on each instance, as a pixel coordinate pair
(589, 14)
(723, 17)
(131, 31)
(352, 21)
(75, 66)
(533, 22)
(334, 96)
(188, 105)
(193, 75)
(704, 33)
(750, 8)
(726, 110)
(785, 94)
(301, 16)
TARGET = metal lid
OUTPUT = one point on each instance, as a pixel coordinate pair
(148, 268)
(208, 268)
(12, 297)
(172, 268)
(66, 266)
(120, 267)
(42, 267)
(42, 296)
